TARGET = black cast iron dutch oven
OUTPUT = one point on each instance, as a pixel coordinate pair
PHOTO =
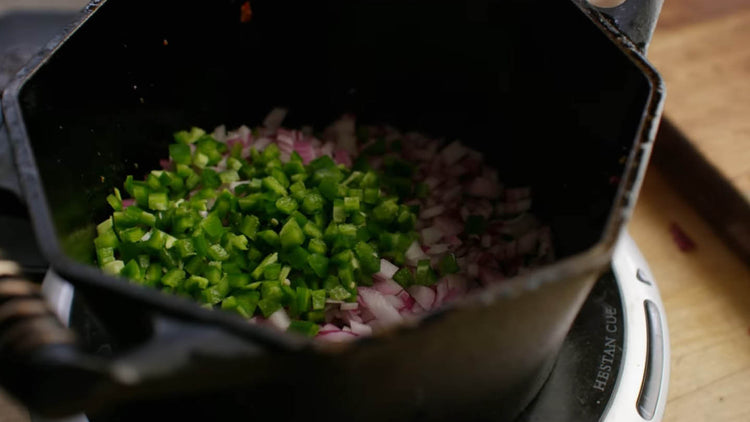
(551, 91)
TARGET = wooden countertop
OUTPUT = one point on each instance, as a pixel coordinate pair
(702, 49)
(706, 294)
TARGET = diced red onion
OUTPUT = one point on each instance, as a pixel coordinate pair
(387, 286)
(438, 248)
(353, 315)
(431, 235)
(452, 194)
(527, 243)
(379, 307)
(450, 287)
(280, 319)
(395, 301)
(432, 182)
(459, 169)
(220, 133)
(261, 143)
(449, 226)
(274, 119)
(349, 306)
(338, 336)
(360, 329)
(486, 240)
(328, 328)
(484, 188)
(514, 194)
(387, 270)
(128, 202)
(504, 208)
(489, 276)
(454, 241)
(424, 296)
(473, 269)
(504, 250)
(414, 254)
(344, 131)
(305, 150)
(432, 212)
(453, 152)
(327, 149)
(407, 299)
(341, 156)
(165, 164)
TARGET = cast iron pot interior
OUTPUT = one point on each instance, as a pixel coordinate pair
(548, 97)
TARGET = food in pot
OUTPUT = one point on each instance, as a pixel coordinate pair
(333, 236)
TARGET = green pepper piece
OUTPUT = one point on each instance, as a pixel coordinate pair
(184, 248)
(131, 270)
(339, 213)
(318, 299)
(351, 204)
(303, 299)
(173, 277)
(186, 137)
(272, 271)
(318, 263)
(114, 267)
(274, 186)
(317, 246)
(448, 264)
(217, 253)
(296, 257)
(212, 226)
(368, 258)
(339, 293)
(269, 306)
(291, 235)
(196, 283)
(270, 237)
(311, 230)
(105, 255)
(115, 200)
(424, 274)
(306, 328)
(312, 203)
(180, 153)
(268, 260)
(153, 273)
(286, 204)
(247, 302)
(329, 188)
(475, 224)
(404, 277)
(249, 226)
(211, 296)
(132, 234)
(385, 212)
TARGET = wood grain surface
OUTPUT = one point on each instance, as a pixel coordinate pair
(702, 49)
(706, 294)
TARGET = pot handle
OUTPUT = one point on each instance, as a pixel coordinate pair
(39, 361)
(8, 177)
(42, 365)
(635, 18)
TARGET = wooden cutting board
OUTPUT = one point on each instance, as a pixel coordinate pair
(702, 49)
